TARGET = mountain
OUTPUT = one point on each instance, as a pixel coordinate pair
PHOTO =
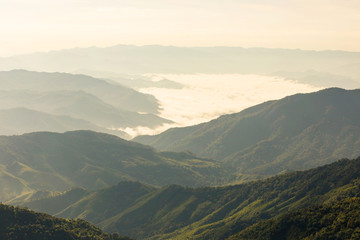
(338, 220)
(297, 132)
(16, 121)
(175, 212)
(56, 162)
(95, 206)
(18, 223)
(119, 96)
(168, 59)
(321, 79)
(78, 104)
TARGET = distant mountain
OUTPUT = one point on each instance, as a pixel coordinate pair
(18, 223)
(175, 212)
(17, 121)
(56, 162)
(109, 106)
(337, 220)
(119, 96)
(78, 104)
(297, 132)
(168, 59)
(321, 79)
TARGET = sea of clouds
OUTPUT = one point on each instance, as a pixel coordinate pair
(207, 96)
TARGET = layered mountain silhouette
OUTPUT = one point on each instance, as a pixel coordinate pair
(105, 106)
(16, 121)
(78, 104)
(169, 59)
(174, 212)
(53, 161)
(297, 132)
(116, 95)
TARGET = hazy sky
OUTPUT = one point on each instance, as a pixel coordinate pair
(38, 25)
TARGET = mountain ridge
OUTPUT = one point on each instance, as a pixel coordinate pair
(57, 161)
(275, 136)
(176, 212)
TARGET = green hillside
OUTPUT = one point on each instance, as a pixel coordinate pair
(336, 220)
(294, 133)
(56, 162)
(176, 212)
(22, 224)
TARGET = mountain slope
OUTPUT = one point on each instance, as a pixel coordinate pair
(77, 104)
(337, 220)
(52, 161)
(17, 223)
(275, 136)
(116, 95)
(22, 120)
(175, 212)
(94, 206)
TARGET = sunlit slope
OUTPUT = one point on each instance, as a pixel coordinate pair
(176, 212)
(335, 220)
(296, 132)
(18, 223)
(53, 161)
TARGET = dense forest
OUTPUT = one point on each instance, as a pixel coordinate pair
(335, 220)
(175, 212)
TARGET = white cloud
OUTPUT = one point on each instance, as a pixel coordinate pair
(208, 96)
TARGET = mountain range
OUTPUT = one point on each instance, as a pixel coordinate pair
(276, 136)
(175, 212)
(316, 68)
(16, 121)
(55, 162)
(188, 188)
(104, 106)
(116, 95)
(169, 59)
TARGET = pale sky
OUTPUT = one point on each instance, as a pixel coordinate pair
(43, 25)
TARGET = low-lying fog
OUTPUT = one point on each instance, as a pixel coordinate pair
(207, 96)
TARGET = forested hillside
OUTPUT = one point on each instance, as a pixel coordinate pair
(56, 162)
(176, 212)
(297, 132)
(336, 220)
